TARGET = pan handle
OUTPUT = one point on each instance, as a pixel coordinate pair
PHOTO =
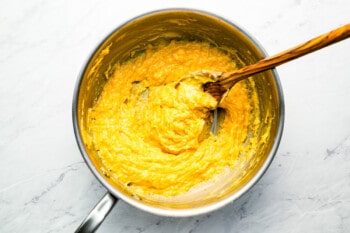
(97, 214)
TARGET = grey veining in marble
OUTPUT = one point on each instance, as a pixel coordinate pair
(45, 185)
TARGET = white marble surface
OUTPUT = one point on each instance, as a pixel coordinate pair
(45, 185)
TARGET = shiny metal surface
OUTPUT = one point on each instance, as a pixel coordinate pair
(97, 214)
(128, 41)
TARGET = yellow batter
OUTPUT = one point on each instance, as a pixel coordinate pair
(152, 131)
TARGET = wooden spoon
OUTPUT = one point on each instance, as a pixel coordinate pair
(224, 81)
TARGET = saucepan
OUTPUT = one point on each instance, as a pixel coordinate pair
(131, 38)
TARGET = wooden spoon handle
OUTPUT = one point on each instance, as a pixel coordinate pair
(310, 46)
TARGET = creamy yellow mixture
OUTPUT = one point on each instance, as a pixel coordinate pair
(152, 132)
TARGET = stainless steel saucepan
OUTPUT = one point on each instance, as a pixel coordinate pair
(130, 39)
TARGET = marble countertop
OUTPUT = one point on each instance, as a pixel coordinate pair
(46, 187)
